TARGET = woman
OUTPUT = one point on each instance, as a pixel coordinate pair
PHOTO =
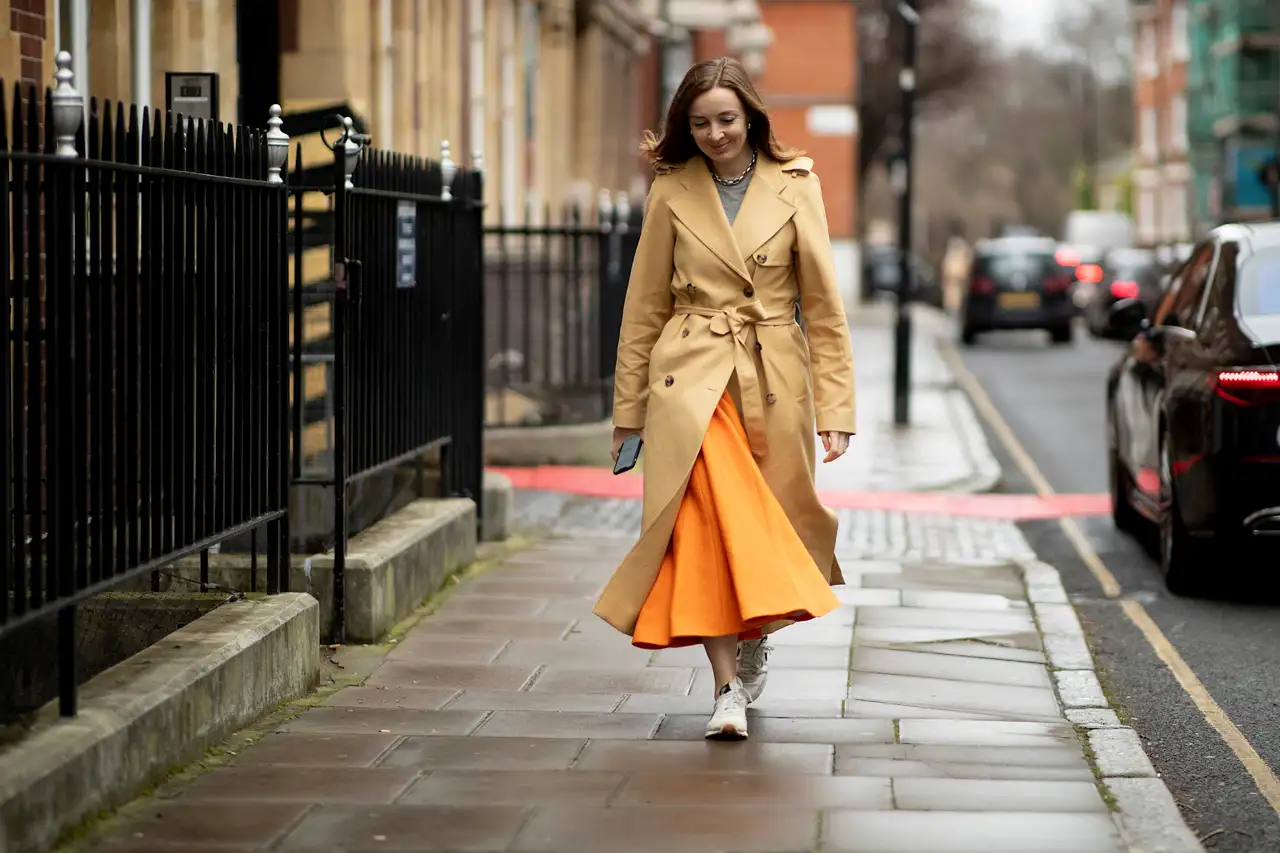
(715, 373)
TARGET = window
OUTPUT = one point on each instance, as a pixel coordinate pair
(1149, 132)
(1147, 226)
(1187, 287)
(1259, 292)
(1147, 60)
(1179, 48)
(1178, 123)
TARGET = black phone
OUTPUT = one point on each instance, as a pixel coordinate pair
(628, 454)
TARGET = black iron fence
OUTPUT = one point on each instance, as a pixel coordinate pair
(146, 370)
(407, 325)
(554, 294)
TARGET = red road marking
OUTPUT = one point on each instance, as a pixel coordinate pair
(601, 483)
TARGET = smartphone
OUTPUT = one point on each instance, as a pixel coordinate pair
(628, 454)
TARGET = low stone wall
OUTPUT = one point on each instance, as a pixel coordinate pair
(530, 446)
(160, 708)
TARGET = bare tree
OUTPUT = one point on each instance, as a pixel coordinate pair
(952, 52)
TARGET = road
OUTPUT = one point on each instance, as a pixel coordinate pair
(1052, 398)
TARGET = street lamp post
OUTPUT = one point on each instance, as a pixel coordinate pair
(902, 329)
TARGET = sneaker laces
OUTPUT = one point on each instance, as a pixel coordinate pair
(730, 699)
(752, 657)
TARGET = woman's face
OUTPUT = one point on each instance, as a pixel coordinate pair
(718, 123)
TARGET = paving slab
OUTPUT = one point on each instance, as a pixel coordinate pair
(969, 832)
(921, 715)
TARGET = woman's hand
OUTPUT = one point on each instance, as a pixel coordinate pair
(621, 434)
(835, 443)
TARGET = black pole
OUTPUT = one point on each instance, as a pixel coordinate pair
(902, 329)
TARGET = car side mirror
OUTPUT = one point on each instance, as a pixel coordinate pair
(1129, 317)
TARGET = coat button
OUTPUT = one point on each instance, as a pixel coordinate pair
(684, 333)
(690, 286)
(748, 291)
(771, 398)
(759, 346)
(760, 259)
(669, 381)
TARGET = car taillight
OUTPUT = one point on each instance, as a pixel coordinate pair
(982, 285)
(1249, 387)
(1124, 289)
(1089, 273)
(1057, 284)
(1066, 258)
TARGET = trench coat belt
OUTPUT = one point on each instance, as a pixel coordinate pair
(738, 322)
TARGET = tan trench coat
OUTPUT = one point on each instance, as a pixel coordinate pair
(708, 303)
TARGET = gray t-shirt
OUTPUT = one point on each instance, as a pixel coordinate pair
(731, 197)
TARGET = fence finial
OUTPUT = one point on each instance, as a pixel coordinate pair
(277, 146)
(624, 211)
(68, 107)
(351, 150)
(448, 169)
(477, 160)
(604, 207)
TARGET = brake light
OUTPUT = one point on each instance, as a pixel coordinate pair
(1066, 258)
(1089, 273)
(1249, 387)
(1124, 289)
(982, 285)
(1057, 284)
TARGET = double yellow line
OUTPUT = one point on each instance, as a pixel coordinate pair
(1263, 777)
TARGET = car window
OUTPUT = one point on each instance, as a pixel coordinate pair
(1006, 265)
(1258, 293)
(1182, 300)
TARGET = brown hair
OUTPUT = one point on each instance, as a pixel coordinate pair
(676, 146)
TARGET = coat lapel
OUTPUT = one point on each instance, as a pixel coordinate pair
(765, 209)
(700, 210)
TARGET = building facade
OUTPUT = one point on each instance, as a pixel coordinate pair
(1234, 120)
(546, 89)
(1162, 173)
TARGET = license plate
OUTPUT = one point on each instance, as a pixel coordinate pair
(1019, 301)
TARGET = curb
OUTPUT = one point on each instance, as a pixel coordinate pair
(1146, 814)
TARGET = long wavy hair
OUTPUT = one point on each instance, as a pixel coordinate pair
(676, 146)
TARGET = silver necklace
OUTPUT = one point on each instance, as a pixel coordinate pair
(728, 182)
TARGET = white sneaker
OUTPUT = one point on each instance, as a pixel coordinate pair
(729, 722)
(753, 666)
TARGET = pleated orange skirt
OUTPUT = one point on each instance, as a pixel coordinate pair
(734, 563)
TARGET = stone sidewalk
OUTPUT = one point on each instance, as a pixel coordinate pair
(944, 448)
(924, 715)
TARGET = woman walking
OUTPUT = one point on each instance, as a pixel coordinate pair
(726, 389)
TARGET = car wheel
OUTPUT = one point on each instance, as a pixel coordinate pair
(1182, 557)
(1061, 334)
(968, 336)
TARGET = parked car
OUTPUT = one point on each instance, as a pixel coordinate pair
(881, 269)
(1017, 284)
(1193, 410)
(1124, 274)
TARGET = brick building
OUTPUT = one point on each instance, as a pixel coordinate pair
(1163, 178)
(25, 54)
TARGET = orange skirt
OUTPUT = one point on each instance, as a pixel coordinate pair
(734, 563)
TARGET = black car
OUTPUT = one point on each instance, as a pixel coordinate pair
(1016, 283)
(881, 270)
(1193, 410)
(1123, 274)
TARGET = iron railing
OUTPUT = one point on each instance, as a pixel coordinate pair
(554, 294)
(407, 329)
(146, 371)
